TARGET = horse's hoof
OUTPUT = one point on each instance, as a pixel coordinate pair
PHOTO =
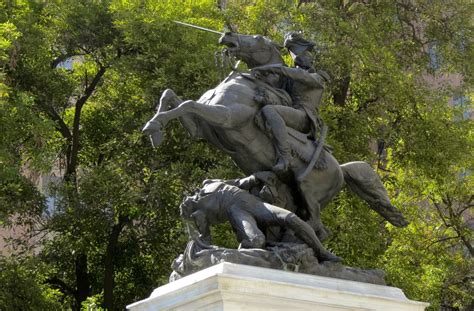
(393, 215)
(153, 129)
(156, 138)
(167, 96)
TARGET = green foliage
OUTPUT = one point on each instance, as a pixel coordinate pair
(358, 234)
(8, 33)
(93, 303)
(116, 212)
(23, 286)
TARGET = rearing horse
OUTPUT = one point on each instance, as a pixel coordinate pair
(224, 116)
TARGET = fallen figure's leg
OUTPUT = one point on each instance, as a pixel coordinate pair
(268, 214)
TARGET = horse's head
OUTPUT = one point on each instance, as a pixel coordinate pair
(253, 50)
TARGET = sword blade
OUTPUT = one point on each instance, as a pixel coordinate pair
(198, 27)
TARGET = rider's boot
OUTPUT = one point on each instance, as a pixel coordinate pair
(281, 166)
(283, 156)
(277, 130)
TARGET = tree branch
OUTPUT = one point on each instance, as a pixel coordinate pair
(441, 215)
(454, 223)
(366, 103)
(340, 93)
(442, 240)
(72, 164)
(60, 124)
(61, 285)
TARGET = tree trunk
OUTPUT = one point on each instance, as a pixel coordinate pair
(109, 282)
(82, 276)
(82, 280)
(340, 94)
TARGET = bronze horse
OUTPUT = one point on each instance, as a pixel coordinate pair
(224, 116)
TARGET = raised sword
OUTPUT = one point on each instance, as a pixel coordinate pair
(199, 27)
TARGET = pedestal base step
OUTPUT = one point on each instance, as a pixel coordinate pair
(229, 286)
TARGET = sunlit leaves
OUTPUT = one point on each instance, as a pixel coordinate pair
(377, 93)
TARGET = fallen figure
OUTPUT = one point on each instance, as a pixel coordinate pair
(219, 201)
(245, 204)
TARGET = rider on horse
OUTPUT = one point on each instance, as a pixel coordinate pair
(305, 87)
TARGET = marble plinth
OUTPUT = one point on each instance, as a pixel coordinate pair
(238, 287)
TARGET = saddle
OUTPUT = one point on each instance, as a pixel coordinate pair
(266, 94)
(306, 149)
(301, 145)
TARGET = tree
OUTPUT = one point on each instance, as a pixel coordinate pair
(23, 287)
(378, 55)
(115, 228)
(104, 235)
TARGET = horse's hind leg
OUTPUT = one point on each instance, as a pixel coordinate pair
(317, 189)
(313, 208)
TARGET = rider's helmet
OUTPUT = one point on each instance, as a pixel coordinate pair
(299, 49)
(296, 44)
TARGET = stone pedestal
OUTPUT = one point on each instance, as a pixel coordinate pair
(238, 287)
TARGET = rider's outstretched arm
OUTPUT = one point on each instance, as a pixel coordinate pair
(296, 74)
(303, 76)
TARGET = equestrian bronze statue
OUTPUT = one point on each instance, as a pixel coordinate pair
(266, 120)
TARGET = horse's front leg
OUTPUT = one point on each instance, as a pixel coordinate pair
(229, 117)
(153, 127)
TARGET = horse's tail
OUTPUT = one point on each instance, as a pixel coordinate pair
(364, 181)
